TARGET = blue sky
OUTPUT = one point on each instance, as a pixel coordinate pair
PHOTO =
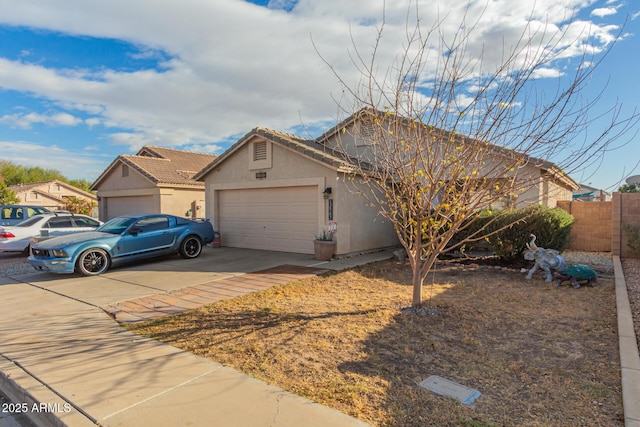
(82, 82)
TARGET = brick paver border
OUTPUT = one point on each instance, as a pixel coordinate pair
(159, 305)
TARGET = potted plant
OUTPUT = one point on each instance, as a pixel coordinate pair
(324, 246)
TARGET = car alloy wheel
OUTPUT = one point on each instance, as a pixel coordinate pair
(93, 261)
(191, 247)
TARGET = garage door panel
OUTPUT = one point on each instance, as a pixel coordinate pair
(281, 219)
(117, 206)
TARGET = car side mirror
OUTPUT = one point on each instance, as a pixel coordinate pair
(135, 230)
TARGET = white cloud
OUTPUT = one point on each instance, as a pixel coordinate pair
(234, 65)
(27, 120)
(604, 11)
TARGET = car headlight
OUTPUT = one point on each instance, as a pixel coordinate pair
(59, 253)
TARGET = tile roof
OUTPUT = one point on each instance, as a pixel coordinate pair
(19, 188)
(163, 166)
(307, 147)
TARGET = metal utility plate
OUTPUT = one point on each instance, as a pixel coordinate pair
(447, 388)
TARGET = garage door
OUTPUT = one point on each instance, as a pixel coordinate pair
(117, 206)
(278, 219)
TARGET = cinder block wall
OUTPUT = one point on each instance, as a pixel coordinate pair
(626, 210)
(592, 229)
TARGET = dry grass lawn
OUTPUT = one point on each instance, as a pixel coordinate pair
(540, 355)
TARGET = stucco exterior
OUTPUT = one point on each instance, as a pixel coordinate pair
(52, 194)
(155, 180)
(248, 185)
(538, 182)
(357, 226)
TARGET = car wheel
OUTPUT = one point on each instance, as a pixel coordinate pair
(191, 247)
(92, 262)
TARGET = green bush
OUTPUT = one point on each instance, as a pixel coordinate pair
(551, 227)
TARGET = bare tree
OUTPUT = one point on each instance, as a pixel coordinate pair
(450, 134)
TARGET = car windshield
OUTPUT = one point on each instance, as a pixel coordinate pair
(116, 225)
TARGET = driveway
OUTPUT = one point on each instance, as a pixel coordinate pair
(164, 274)
(60, 348)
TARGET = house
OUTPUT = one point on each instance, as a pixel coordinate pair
(544, 183)
(52, 194)
(275, 191)
(587, 193)
(155, 179)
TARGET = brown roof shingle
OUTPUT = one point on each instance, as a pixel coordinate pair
(163, 166)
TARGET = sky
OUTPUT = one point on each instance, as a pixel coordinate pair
(82, 82)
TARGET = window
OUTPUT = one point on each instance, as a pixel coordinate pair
(153, 223)
(59, 222)
(125, 171)
(85, 222)
(36, 211)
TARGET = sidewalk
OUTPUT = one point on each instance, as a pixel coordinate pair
(83, 369)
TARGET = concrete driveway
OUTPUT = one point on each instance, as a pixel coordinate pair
(164, 274)
(58, 347)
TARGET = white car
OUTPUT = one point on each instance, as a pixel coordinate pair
(17, 238)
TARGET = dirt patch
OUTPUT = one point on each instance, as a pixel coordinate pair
(540, 355)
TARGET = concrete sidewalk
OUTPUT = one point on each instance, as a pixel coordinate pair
(71, 364)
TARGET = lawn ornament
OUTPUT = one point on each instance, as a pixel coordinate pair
(545, 259)
(576, 273)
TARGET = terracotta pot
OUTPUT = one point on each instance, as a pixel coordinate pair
(324, 249)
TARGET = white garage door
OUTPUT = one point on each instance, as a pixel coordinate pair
(278, 219)
(117, 206)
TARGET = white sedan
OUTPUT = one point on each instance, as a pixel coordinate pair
(17, 238)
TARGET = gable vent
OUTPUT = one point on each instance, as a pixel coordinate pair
(259, 150)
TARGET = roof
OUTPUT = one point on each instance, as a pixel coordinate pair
(33, 186)
(548, 167)
(317, 150)
(162, 166)
(308, 147)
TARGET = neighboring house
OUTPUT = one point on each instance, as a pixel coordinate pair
(590, 194)
(50, 194)
(275, 191)
(155, 180)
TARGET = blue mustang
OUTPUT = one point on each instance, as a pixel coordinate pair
(123, 239)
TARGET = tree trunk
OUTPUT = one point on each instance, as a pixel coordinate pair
(417, 267)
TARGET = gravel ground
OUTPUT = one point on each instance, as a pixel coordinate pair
(631, 268)
(11, 264)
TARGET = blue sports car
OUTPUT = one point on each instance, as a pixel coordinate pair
(122, 239)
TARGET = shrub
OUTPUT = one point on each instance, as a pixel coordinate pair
(551, 227)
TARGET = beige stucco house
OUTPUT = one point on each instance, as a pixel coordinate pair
(275, 191)
(52, 194)
(542, 182)
(153, 180)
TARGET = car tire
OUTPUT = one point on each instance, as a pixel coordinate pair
(92, 262)
(191, 247)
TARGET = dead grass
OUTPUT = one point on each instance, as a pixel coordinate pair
(540, 355)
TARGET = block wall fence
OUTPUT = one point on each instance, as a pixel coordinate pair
(598, 226)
